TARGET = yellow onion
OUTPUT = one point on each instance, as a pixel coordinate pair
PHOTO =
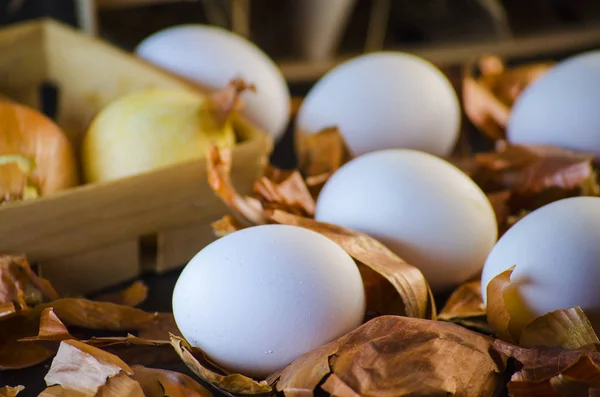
(152, 129)
(36, 158)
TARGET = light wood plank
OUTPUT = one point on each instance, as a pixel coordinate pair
(177, 246)
(23, 65)
(93, 270)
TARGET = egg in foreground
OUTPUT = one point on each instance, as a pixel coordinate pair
(382, 101)
(212, 57)
(561, 107)
(423, 208)
(259, 298)
(555, 252)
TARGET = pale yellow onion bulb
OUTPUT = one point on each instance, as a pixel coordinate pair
(152, 129)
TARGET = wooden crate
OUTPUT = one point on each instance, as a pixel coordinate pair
(89, 237)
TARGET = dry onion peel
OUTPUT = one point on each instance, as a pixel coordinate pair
(528, 170)
(18, 355)
(465, 307)
(7, 309)
(325, 152)
(11, 391)
(520, 178)
(20, 286)
(171, 384)
(484, 110)
(90, 371)
(227, 101)
(51, 328)
(320, 155)
(398, 356)
(248, 210)
(231, 383)
(290, 195)
(564, 328)
(80, 369)
(98, 315)
(132, 296)
(226, 225)
(72, 312)
(488, 100)
(136, 350)
(464, 302)
(552, 372)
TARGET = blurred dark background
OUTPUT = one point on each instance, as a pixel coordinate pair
(445, 31)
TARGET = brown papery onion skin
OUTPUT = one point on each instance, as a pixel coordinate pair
(26, 132)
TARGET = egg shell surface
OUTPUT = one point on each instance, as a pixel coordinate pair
(212, 57)
(258, 298)
(423, 208)
(561, 107)
(555, 252)
(385, 100)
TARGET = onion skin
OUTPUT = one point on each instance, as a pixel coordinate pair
(151, 129)
(40, 146)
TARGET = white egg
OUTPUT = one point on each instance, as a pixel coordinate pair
(555, 250)
(385, 100)
(422, 207)
(212, 56)
(561, 107)
(257, 299)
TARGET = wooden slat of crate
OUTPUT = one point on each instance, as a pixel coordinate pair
(177, 246)
(93, 270)
(22, 64)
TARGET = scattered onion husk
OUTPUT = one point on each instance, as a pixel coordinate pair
(36, 157)
(11, 391)
(465, 307)
(565, 328)
(399, 356)
(551, 371)
(487, 99)
(521, 178)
